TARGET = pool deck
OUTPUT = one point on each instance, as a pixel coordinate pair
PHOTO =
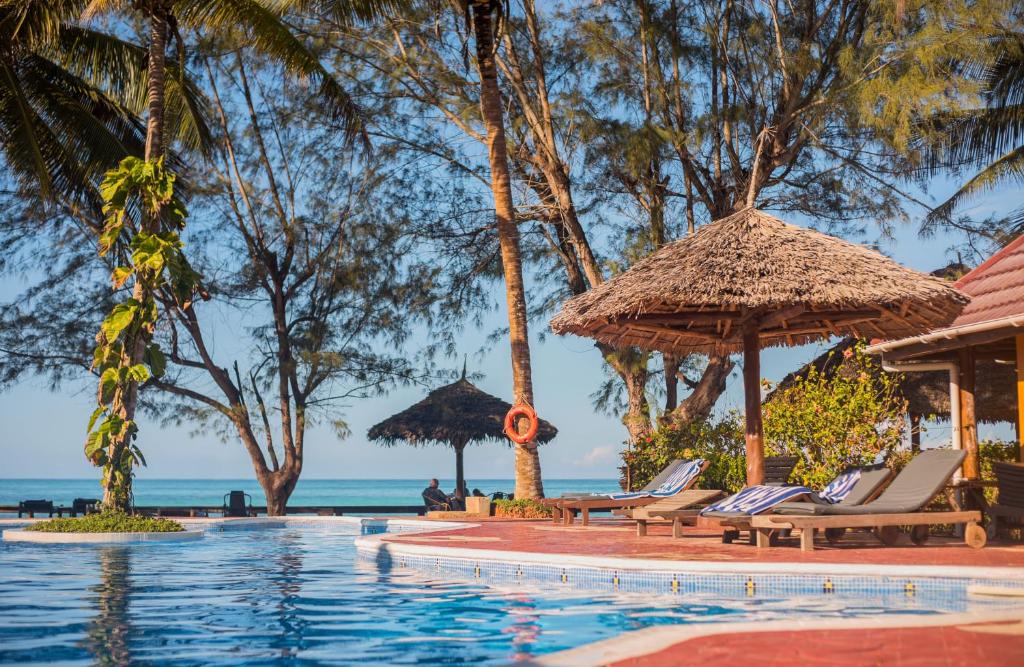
(938, 641)
(605, 537)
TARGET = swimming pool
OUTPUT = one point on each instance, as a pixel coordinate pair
(300, 595)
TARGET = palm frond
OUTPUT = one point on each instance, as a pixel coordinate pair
(262, 29)
(1008, 167)
(344, 11)
(119, 68)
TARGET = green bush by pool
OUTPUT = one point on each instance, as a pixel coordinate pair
(108, 522)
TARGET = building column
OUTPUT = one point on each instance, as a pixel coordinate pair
(1020, 395)
(968, 423)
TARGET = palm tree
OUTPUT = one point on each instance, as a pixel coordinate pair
(262, 29)
(486, 19)
(990, 137)
(66, 109)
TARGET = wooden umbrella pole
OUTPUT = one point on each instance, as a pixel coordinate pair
(752, 396)
(460, 478)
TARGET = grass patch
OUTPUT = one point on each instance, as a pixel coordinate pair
(108, 522)
(521, 509)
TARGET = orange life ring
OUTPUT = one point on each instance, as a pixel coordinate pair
(510, 424)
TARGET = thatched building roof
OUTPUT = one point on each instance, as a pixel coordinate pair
(698, 293)
(927, 393)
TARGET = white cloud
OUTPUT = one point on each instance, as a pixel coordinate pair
(597, 455)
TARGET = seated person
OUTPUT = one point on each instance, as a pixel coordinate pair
(435, 498)
(477, 493)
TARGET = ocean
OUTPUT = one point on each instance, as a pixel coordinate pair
(170, 492)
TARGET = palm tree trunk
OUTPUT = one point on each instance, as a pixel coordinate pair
(117, 493)
(528, 479)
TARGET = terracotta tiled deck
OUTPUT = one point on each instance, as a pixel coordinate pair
(605, 537)
(982, 645)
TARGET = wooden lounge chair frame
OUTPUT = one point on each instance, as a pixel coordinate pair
(680, 509)
(885, 526)
(565, 509)
(739, 524)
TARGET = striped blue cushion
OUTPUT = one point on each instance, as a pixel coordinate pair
(756, 499)
(676, 482)
(841, 486)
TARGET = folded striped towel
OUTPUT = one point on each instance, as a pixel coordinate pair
(756, 499)
(841, 486)
(676, 482)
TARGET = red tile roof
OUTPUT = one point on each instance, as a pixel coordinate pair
(996, 287)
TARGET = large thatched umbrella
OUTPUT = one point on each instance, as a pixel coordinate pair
(749, 281)
(455, 415)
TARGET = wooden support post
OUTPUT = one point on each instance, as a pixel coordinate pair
(968, 423)
(677, 527)
(752, 404)
(807, 539)
(1020, 395)
(460, 477)
(641, 527)
(915, 432)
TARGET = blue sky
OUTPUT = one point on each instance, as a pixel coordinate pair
(43, 431)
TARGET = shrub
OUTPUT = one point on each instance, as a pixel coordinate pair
(836, 420)
(990, 451)
(521, 509)
(720, 442)
(108, 522)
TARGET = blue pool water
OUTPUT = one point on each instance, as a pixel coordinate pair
(299, 595)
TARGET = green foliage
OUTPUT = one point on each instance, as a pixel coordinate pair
(124, 357)
(108, 522)
(523, 508)
(990, 451)
(719, 442)
(838, 420)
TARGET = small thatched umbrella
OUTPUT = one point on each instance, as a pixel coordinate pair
(749, 281)
(456, 415)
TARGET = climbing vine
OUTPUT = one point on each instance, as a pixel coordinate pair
(125, 355)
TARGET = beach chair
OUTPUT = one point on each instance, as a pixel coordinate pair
(900, 504)
(681, 478)
(680, 509)
(238, 503)
(555, 503)
(777, 470)
(1009, 506)
(84, 506)
(31, 507)
(851, 487)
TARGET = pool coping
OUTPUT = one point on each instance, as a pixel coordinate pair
(40, 537)
(375, 545)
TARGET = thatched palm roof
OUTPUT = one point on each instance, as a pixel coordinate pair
(927, 393)
(456, 413)
(697, 294)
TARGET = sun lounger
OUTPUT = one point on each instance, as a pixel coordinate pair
(652, 485)
(31, 507)
(1010, 502)
(681, 478)
(777, 470)
(680, 509)
(658, 480)
(853, 486)
(899, 505)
